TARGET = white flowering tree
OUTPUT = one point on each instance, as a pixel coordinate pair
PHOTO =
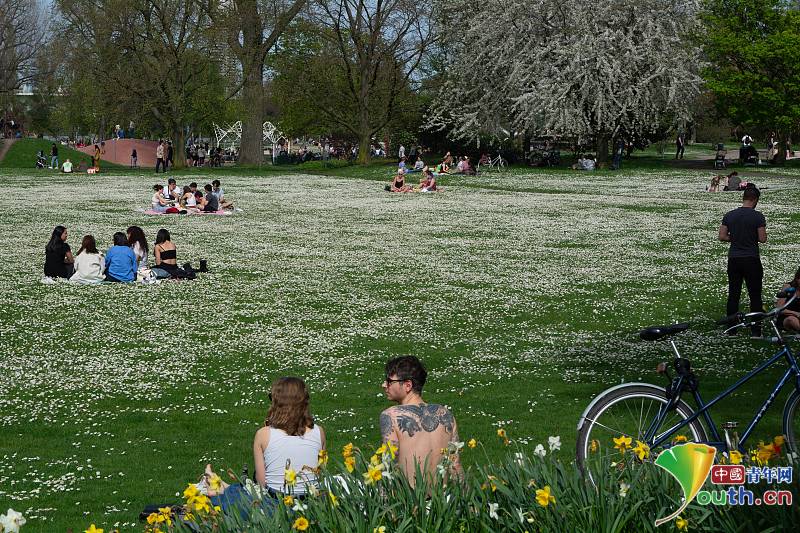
(577, 68)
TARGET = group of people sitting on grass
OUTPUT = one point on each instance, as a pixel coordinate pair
(419, 436)
(426, 184)
(125, 261)
(174, 199)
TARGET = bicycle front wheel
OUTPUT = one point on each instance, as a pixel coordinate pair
(501, 165)
(791, 425)
(611, 426)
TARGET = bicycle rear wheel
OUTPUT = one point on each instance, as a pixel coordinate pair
(791, 425)
(627, 411)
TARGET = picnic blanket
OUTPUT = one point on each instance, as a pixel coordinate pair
(220, 212)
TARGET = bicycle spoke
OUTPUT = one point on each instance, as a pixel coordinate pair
(611, 430)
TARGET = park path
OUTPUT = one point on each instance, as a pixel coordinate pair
(5, 144)
(118, 151)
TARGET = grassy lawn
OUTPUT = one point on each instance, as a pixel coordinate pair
(523, 293)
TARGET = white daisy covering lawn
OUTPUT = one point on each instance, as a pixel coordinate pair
(523, 293)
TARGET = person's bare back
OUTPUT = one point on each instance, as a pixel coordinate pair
(421, 432)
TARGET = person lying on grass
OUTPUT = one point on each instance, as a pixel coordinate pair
(286, 450)
(419, 430)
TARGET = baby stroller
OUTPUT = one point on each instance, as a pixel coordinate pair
(748, 155)
(41, 160)
(719, 159)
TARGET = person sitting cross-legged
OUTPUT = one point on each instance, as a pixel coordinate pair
(120, 263)
(286, 450)
(790, 317)
(419, 430)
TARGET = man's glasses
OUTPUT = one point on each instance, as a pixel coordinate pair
(389, 381)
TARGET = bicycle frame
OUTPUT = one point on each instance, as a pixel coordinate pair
(703, 408)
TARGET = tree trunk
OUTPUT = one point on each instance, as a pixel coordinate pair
(252, 151)
(363, 148)
(780, 157)
(602, 150)
(178, 147)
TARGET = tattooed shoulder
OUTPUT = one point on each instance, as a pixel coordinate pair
(386, 425)
(414, 418)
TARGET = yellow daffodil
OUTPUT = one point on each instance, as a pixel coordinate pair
(189, 517)
(347, 450)
(765, 453)
(373, 475)
(288, 500)
(641, 450)
(93, 529)
(290, 477)
(201, 503)
(736, 457)
(778, 441)
(543, 496)
(322, 458)
(190, 492)
(152, 518)
(472, 443)
(501, 433)
(622, 443)
(301, 524)
(333, 498)
(594, 445)
(350, 463)
(214, 482)
(682, 524)
(392, 448)
(680, 438)
(379, 529)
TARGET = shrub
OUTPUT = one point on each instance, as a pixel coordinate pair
(524, 493)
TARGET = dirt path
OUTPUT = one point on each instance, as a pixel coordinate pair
(5, 144)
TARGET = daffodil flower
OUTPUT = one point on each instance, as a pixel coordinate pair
(682, 524)
(493, 507)
(543, 496)
(301, 524)
(641, 450)
(622, 443)
(290, 477)
(735, 456)
(472, 443)
(554, 442)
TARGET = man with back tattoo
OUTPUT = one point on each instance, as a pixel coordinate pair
(419, 430)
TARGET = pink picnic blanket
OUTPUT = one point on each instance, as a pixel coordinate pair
(151, 212)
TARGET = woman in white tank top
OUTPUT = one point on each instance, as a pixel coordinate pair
(290, 441)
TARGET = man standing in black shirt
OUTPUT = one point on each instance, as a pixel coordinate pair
(744, 228)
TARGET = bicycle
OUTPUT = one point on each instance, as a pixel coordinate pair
(497, 163)
(625, 410)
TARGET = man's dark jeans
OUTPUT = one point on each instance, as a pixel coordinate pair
(749, 270)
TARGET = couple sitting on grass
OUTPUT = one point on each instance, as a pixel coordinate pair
(175, 200)
(123, 262)
(426, 184)
(290, 439)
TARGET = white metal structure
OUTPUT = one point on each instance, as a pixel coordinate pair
(230, 136)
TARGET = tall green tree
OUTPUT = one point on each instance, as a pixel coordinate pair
(353, 65)
(754, 51)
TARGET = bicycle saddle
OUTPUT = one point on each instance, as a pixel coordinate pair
(654, 333)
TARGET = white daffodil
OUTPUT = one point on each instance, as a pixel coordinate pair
(12, 521)
(539, 450)
(554, 442)
(493, 507)
(299, 506)
(623, 489)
